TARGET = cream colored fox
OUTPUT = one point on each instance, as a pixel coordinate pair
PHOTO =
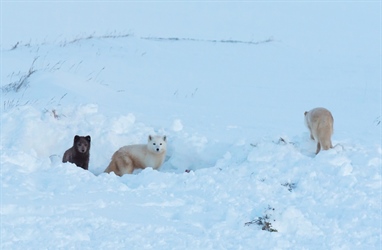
(131, 157)
(320, 123)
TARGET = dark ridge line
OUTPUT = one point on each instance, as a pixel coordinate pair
(161, 39)
(75, 40)
(176, 39)
(111, 36)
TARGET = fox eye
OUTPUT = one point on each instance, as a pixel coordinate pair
(154, 144)
(160, 144)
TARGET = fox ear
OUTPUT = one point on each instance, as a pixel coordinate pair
(76, 137)
(88, 138)
(150, 137)
(164, 138)
(305, 112)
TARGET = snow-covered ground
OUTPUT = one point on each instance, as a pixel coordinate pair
(228, 83)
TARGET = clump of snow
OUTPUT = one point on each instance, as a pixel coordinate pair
(123, 124)
(177, 125)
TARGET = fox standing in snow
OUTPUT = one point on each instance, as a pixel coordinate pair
(79, 152)
(320, 123)
(131, 157)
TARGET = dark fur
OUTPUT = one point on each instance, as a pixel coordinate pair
(79, 152)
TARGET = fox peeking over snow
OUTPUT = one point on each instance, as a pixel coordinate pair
(131, 157)
(79, 152)
(320, 123)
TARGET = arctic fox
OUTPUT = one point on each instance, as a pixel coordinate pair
(79, 152)
(131, 157)
(320, 123)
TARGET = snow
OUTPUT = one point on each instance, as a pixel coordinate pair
(228, 83)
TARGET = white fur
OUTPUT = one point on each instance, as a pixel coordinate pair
(131, 157)
(320, 123)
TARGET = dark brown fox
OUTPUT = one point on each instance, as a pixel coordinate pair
(79, 152)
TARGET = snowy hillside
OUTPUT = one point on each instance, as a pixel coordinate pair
(228, 83)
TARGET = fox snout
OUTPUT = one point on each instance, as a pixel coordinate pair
(82, 148)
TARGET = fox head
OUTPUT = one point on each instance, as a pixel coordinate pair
(82, 143)
(157, 144)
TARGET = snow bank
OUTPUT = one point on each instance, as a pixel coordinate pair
(239, 158)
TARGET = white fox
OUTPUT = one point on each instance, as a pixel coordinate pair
(320, 123)
(131, 157)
